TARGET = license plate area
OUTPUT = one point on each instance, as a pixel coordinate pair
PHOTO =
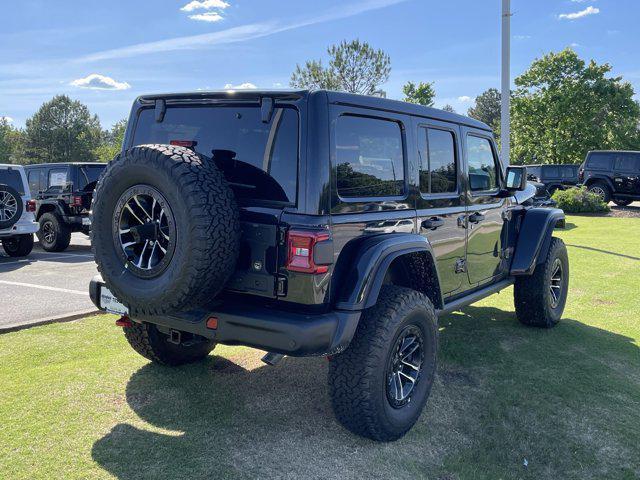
(110, 303)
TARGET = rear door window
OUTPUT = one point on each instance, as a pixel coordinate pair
(369, 157)
(628, 162)
(438, 173)
(12, 178)
(551, 172)
(600, 161)
(58, 180)
(259, 160)
(568, 172)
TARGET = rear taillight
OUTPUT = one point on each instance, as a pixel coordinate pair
(184, 143)
(301, 246)
(31, 206)
(76, 201)
(581, 175)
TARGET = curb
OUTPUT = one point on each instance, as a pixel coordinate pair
(67, 317)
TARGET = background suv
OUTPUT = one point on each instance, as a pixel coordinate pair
(614, 175)
(63, 192)
(17, 222)
(554, 177)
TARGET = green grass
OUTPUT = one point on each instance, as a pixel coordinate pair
(77, 402)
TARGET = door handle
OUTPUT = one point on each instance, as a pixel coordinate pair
(476, 217)
(432, 223)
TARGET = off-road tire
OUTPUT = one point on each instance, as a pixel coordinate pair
(206, 225)
(358, 376)
(532, 295)
(11, 192)
(18, 246)
(61, 233)
(148, 341)
(622, 202)
(606, 191)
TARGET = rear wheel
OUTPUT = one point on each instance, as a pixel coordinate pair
(54, 235)
(152, 344)
(18, 246)
(622, 202)
(541, 297)
(380, 384)
(602, 190)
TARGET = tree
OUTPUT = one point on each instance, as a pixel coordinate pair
(12, 143)
(354, 67)
(564, 107)
(111, 142)
(422, 93)
(487, 108)
(449, 108)
(62, 130)
(5, 145)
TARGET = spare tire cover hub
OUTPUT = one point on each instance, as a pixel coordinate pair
(144, 231)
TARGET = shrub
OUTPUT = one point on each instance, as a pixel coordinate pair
(579, 200)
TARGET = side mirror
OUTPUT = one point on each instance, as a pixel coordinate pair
(516, 179)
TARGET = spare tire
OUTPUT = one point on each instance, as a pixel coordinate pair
(165, 229)
(11, 206)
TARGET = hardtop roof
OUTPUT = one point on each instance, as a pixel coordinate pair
(340, 98)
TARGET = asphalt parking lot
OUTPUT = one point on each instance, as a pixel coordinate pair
(46, 285)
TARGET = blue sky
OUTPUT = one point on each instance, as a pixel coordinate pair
(105, 53)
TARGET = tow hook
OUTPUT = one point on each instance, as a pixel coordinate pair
(123, 322)
(175, 337)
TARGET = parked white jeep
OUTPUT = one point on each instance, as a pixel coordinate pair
(17, 219)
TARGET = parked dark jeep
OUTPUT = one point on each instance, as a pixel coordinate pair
(614, 175)
(277, 220)
(63, 192)
(554, 177)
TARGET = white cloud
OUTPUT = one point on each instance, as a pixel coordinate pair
(96, 81)
(522, 37)
(6, 119)
(574, 45)
(582, 13)
(582, 1)
(242, 33)
(242, 86)
(204, 5)
(207, 17)
(464, 98)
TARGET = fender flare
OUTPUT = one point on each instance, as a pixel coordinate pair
(534, 239)
(361, 280)
(600, 178)
(44, 207)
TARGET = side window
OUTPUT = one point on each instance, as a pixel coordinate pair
(628, 162)
(34, 181)
(551, 172)
(437, 161)
(369, 157)
(568, 172)
(58, 179)
(483, 174)
(600, 161)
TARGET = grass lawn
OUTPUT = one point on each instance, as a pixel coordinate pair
(509, 402)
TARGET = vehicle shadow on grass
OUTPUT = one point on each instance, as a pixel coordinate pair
(218, 419)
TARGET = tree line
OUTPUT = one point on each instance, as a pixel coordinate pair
(561, 108)
(62, 130)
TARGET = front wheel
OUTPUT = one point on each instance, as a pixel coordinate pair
(54, 235)
(541, 297)
(18, 246)
(152, 344)
(380, 384)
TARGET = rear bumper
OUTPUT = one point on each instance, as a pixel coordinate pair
(80, 220)
(279, 331)
(23, 227)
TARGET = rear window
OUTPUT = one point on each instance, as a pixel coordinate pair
(551, 172)
(260, 160)
(600, 161)
(12, 178)
(569, 171)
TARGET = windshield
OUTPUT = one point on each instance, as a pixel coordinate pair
(260, 160)
(12, 177)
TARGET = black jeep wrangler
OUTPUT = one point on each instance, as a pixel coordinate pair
(612, 175)
(63, 193)
(277, 220)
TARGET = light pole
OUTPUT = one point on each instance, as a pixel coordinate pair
(505, 122)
